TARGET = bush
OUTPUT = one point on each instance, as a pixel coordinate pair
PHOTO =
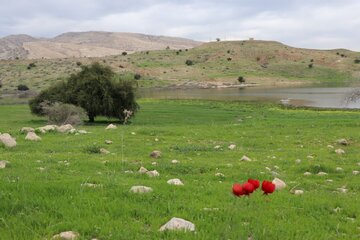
(78, 64)
(97, 89)
(31, 65)
(357, 61)
(124, 53)
(137, 76)
(189, 62)
(310, 65)
(229, 59)
(22, 87)
(241, 79)
(60, 114)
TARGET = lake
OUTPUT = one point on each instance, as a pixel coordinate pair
(299, 96)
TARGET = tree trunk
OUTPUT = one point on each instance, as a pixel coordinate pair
(91, 118)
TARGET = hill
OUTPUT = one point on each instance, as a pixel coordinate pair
(214, 64)
(86, 44)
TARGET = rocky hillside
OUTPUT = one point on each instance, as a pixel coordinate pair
(86, 44)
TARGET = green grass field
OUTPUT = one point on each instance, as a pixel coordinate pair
(37, 204)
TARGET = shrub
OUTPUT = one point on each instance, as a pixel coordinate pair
(124, 53)
(357, 61)
(78, 64)
(31, 65)
(241, 79)
(189, 62)
(22, 87)
(92, 149)
(137, 76)
(60, 114)
(218, 39)
(310, 65)
(229, 59)
(228, 51)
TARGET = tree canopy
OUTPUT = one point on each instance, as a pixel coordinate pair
(96, 88)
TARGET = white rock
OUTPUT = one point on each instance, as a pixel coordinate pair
(178, 224)
(329, 180)
(142, 170)
(156, 139)
(219, 174)
(128, 171)
(175, 181)
(279, 184)
(69, 235)
(27, 129)
(310, 157)
(322, 174)
(298, 161)
(276, 167)
(83, 132)
(217, 147)
(65, 128)
(210, 209)
(307, 173)
(343, 189)
(342, 141)
(339, 169)
(91, 185)
(111, 126)
(267, 168)
(3, 164)
(232, 146)
(174, 161)
(31, 136)
(47, 128)
(154, 163)
(7, 140)
(298, 192)
(355, 172)
(153, 173)
(140, 189)
(330, 146)
(104, 151)
(133, 133)
(108, 142)
(339, 151)
(155, 154)
(245, 159)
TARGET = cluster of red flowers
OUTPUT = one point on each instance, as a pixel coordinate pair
(251, 185)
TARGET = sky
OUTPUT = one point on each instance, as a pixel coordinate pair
(321, 24)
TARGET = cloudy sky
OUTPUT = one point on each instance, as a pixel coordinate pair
(320, 24)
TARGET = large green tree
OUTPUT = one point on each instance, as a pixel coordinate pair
(96, 88)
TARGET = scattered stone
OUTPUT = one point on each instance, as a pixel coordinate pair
(153, 173)
(274, 173)
(211, 209)
(178, 224)
(154, 163)
(155, 154)
(111, 126)
(7, 140)
(329, 180)
(31, 136)
(229, 165)
(339, 169)
(337, 209)
(175, 181)
(108, 142)
(3, 164)
(175, 161)
(69, 235)
(66, 128)
(41, 169)
(91, 185)
(339, 151)
(128, 171)
(355, 172)
(245, 159)
(342, 141)
(310, 157)
(276, 167)
(48, 128)
(322, 174)
(232, 146)
(132, 133)
(140, 189)
(298, 192)
(156, 139)
(104, 151)
(298, 161)
(27, 129)
(279, 184)
(142, 170)
(217, 147)
(83, 132)
(330, 146)
(267, 168)
(219, 174)
(307, 173)
(343, 189)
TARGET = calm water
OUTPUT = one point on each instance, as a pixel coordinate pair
(314, 97)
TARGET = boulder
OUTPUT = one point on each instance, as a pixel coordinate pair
(68, 235)
(7, 140)
(322, 174)
(279, 184)
(111, 126)
(108, 142)
(355, 172)
(31, 136)
(342, 141)
(178, 224)
(245, 159)
(66, 128)
(104, 151)
(339, 151)
(140, 189)
(153, 173)
(47, 128)
(307, 173)
(155, 154)
(339, 169)
(27, 129)
(3, 164)
(174, 161)
(175, 181)
(142, 170)
(232, 146)
(298, 192)
(218, 174)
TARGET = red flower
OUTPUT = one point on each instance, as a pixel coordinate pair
(268, 187)
(237, 189)
(254, 182)
(248, 188)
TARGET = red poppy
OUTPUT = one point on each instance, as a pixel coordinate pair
(248, 188)
(254, 182)
(268, 187)
(237, 189)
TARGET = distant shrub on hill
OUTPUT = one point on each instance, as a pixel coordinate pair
(357, 61)
(22, 87)
(189, 62)
(310, 65)
(124, 53)
(137, 76)
(241, 79)
(31, 65)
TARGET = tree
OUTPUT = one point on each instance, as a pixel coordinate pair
(241, 79)
(96, 88)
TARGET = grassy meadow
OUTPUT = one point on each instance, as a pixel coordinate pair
(41, 192)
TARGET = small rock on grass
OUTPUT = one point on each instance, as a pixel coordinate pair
(339, 169)
(3, 164)
(322, 174)
(298, 192)
(342, 141)
(111, 126)
(279, 184)
(175, 181)
(153, 173)
(155, 154)
(245, 159)
(307, 173)
(178, 224)
(108, 142)
(298, 161)
(66, 128)
(7, 140)
(142, 170)
(339, 151)
(31, 136)
(219, 174)
(104, 151)
(68, 235)
(355, 172)
(27, 129)
(140, 189)
(232, 146)
(174, 161)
